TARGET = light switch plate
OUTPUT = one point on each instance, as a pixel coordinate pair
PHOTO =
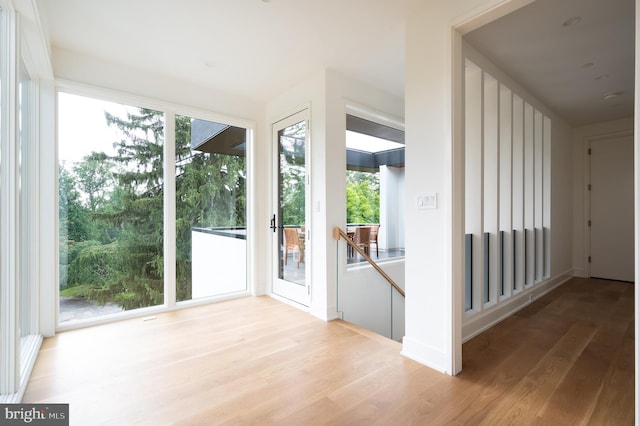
(426, 201)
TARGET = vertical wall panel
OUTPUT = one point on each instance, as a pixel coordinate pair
(468, 275)
(517, 214)
(529, 193)
(486, 258)
(490, 199)
(538, 188)
(474, 172)
(546, 198)
(506, 162)
(507, 193)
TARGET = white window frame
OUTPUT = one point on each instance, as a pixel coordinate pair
(19, 226)
(170, 111)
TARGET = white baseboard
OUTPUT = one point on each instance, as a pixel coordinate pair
(425, 354)
(288, 302)
(482, 321)
(29, 360)
(580, 272)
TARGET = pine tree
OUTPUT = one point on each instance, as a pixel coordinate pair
(121, 258)
(137, 212)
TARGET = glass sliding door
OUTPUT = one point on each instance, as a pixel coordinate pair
(289, 222)
(111, 208)
(211, 215)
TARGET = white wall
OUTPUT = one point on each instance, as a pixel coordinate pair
(581, 136)
(307, 94)
(434, 260)
(327, 94)
(561, 206)
(124, 78)
(365, 297)
(219, 264)
(428, 161)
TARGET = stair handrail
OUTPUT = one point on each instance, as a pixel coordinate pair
(338, 232)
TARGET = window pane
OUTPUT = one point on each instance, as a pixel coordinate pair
(375, 188)
(111, 207)
(211, 225)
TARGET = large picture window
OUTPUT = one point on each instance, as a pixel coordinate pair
(120, 186)
(110, 207)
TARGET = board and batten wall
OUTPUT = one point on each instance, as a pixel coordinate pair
(510, 146)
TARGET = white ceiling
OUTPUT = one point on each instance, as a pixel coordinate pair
(252, 48)
(257, 49)
(560, 64)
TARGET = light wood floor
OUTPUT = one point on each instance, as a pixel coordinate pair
(566, 359)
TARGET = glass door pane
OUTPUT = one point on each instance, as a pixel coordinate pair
(290, 221)
(211, 219)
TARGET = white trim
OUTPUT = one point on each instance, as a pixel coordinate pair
(427, 355)
(146, 312)
(477, 19)
(169, 207)
(47, 185)
(9, 268)
(372, 114)
(479, 323)
(19, 212)
(296, 293)
(29, 208)
(36, 46)
(289, 302)
(251, 209)
(29, 357)
(456, 232)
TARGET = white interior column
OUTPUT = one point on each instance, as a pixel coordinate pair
(391, 233)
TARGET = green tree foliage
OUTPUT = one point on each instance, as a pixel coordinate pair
(292, 174)
(122, 199)
(363, 197)
(93, 176)
(111, 211)
(210, 192)
(136, 216)
(74, 224)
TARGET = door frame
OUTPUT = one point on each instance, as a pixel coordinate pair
(299, 296)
